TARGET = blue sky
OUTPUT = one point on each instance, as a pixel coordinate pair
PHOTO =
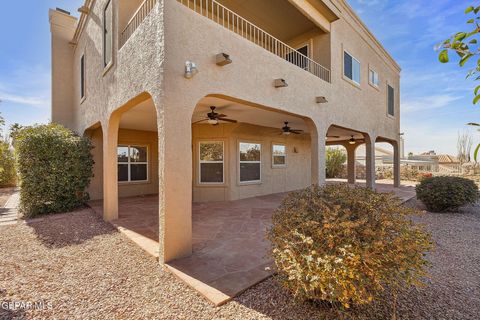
(436, 98)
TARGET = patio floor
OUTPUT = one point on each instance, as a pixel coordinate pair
(230, 252)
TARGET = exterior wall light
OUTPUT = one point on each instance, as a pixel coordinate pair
(222, 59)
(280, 83)
(351, 140)
(321, 99)
(190, 69)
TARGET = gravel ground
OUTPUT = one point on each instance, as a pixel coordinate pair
(85, 269)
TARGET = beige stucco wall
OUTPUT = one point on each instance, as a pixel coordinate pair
(153, 61)
(295, 175)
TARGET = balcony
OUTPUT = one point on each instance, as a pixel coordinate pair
(131, 14)
(225, 17)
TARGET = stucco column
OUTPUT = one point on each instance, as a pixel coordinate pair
(318, 149)
(370, 161)
(110, 178)
(175, 184)
(351, 170)
(396, 165)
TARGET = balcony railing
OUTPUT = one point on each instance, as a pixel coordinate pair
(233, 22)
(137, 19)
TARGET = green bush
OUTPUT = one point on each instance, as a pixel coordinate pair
(334, 160)
(55, 166)
(445, 193)
(8, 174)
(346, 244)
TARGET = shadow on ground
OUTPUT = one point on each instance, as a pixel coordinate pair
(61, 230)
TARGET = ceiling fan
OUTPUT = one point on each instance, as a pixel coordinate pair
(286, 130)
(213, 117)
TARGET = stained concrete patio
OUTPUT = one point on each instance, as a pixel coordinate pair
(230, 252)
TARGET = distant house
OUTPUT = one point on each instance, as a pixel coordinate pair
(443, 163)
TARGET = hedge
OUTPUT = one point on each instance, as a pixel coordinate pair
(55, 166)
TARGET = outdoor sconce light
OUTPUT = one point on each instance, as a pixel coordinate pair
(295, 150)
(280, 83)
(190, 69)
(83, 9)
(351, 140)
(222, 59)
(321, 99)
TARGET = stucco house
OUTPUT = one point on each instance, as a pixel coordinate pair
(199, 101)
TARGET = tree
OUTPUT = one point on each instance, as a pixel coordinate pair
(335, 158)
(465, 45)
(464, 147)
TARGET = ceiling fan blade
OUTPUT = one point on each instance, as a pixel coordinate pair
(221, 115)
(200, 121)
(333, 137)
(228, 120)
(296, 131)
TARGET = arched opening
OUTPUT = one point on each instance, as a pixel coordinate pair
(351, 142)
(126, 183)
(388, 161)
(245, 157)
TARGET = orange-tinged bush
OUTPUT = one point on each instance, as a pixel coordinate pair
(344, 244)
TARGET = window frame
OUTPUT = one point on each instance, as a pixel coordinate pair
(129, 163)
(83, 78)
(358, 84)
(200, 161)
(388, 101)
(373, 84)
(259, 181)
(284, 156)
(107, 65)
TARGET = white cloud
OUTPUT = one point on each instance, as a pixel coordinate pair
(428, 102)
(36, 101)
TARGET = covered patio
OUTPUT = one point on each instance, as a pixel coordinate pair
(230, 252)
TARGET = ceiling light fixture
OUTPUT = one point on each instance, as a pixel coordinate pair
(212, 121)
(351, 140)
(190, 69)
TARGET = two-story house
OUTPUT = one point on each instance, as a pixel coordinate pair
(204, 100)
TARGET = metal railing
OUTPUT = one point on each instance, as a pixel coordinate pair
(136, 21)
(233, 22)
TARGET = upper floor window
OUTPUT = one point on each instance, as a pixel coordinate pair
(351, 67)
(132, 163)
(211, 162)
(250, 162)
(107, 33)
(390, 100)
(279, 155)
(82, 77)
(373, 78)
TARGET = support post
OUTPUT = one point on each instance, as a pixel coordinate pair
(110, 179)
(351, 169)
(396, 165)
(318, 150)
(370, 161)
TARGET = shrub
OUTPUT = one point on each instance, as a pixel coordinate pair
(55, 166)
(8, 175)
(344, 244)
(424, 175)
(445, 193)
(334, 160)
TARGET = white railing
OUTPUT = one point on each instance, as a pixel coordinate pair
(233, 22)
(135, 21)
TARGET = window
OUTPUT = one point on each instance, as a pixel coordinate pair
(132, 163)
(82, 77)
(390, 101)
(107, 33)
(250, 163)
(373, 77)
(298, 57)
(351, 68)
(279, 155)
(211, 157)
